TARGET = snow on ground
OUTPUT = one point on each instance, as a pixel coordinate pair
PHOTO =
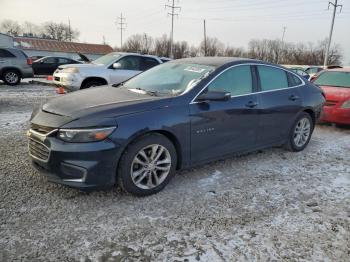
(264, 206)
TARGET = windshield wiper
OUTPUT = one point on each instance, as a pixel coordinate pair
(148, 92)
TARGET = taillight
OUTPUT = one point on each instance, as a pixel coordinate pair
(29, 61)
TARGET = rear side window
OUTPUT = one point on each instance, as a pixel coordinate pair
(63, 60)
(236, 80)
(147, 63)
(6, 54)
(272, 78)
(50, 60)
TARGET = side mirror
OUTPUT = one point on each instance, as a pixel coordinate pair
(313, 78)
(214, 96)
(117, 65)
(42, 61)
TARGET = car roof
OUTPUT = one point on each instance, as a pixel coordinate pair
(137, 54)
(213, 60)
(347, 70)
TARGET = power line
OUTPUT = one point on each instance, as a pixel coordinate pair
(205, 39)
(173, 13)
(335, 6)
(122, 26)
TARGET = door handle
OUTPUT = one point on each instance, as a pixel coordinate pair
(251, 104)
(293, 97)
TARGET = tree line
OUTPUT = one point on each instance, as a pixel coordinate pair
(47, 30)
(274, 51)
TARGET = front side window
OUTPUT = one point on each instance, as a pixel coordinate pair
(333, 78)
(236, 80)
(130, 63)
(63, 60)
(170, 78)
(106, 59)
(272, 78)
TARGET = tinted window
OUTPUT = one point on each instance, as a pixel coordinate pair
(237, 80)
(130, 63)
(295, 80)
(333, 78)
(64, 60)
(272, 78)
(148, 63)
(5, 53)
(50, 60)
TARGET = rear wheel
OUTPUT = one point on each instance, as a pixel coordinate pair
(11, 77)
(301, 132)
(147, 165)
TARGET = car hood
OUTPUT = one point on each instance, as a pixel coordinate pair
(84, 102)
(336, 93)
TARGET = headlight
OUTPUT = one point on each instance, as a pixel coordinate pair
(70, 70)
(84, 135)
(346, 104)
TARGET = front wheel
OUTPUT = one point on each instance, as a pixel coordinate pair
(300, 134)
(147, 165)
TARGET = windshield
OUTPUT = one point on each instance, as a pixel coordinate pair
(106, 59)
(170, 78)
(338, 79)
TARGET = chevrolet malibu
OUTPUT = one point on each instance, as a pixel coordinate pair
(176, 115)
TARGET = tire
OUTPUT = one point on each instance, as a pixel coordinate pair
(11, 77)
(300, 133)
(137, 172)
(91, 83)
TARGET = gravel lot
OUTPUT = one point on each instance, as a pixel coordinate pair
(265, 206)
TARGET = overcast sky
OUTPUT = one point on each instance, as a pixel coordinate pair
(234, 22)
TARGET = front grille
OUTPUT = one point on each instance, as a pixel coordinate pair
(38, 150)
(330, 103)
(44, 130)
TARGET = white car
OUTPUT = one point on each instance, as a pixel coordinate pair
(113, 68)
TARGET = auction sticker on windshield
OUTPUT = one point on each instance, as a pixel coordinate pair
(194, 69)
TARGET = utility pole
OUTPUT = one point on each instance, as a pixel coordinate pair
(205, 39)
(69, 31)
(335, 6)
(282, 44)
(122, 26)
(172, 14)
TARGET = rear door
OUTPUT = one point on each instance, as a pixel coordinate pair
(148, 63)
(219, 128)
(280, 102)
(130, 66)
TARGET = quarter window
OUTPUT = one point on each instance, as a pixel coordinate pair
(237, 81)
(50, 60)
(272, 78)
(296, 80)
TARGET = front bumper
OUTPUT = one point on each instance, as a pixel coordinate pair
(80, 165)
(70, 81)
(336, 115)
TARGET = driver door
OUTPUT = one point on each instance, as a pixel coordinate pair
(129, 67)
(219, 128)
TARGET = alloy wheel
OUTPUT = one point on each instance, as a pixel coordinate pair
(151, 166)
(302, 132)
(11, 77)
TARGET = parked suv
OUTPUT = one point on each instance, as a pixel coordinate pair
(14, 65)
(113, 68)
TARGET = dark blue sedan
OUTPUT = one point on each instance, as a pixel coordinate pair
(176, 115)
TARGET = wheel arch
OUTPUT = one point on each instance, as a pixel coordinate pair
(94, 78)
(169, 135)
(7, 68)
(312, 113)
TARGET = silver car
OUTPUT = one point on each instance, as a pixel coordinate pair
(14, 65)
(113, 68)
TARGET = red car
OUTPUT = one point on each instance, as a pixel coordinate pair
(335, 83)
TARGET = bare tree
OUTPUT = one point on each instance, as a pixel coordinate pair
(234, 52)
(161, 46)
(139, 44)
(59, 31)
(31, 29)
(10, 27)
(214, 47)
